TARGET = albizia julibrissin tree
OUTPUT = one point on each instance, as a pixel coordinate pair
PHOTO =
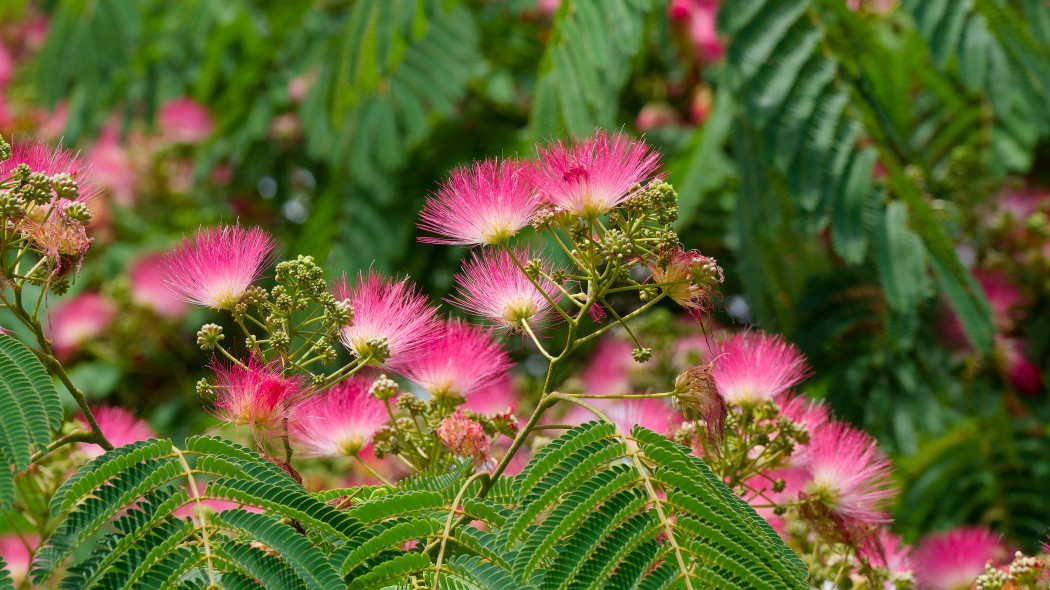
(612, 502)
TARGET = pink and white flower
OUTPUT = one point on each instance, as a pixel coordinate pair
(392, 319)
(48, 160)
(653, 414)
(498, 398)
(150, 290)
(74, 321)
(589, 177)
(218, 265)
(458, 362)
(753, 367)
(848, 474)
(255, 395)
(494, 287)
(341, 421)
(483, 204)
(952, 560)
(466, 438)
(886, 550)
(120, 426)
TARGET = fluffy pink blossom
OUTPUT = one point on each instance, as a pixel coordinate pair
(492, 286)
(589, 177)
(74, 321)
(42, 157)
(120, 426)
(608, 372)
(149, 289)
(495, 399)
(800, 409)
(385, 309)
(483, 204)
(698, 18)
(16, 555)
(185, 121)
(340, 421)
(1010, 359)
(654, 414)
(848, 474)
(953, 559)
(217, 265)
(458, 362)
(255, 395)
(752, 367)
(210, 505)
(886, 550)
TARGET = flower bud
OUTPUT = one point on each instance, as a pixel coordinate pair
(642, 355)
(203, 389)
(78, 212)
(5, 150)
(696, 392)
(383, 388)
(11, 205)
(465, 438)
(64, 185)
(209, 335)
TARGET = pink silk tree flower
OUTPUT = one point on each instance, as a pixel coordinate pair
(753, 367)
(1004, 298)
(886, 550)
(15, 553)
(120, 426)
(591, 176)
(74, 321)
(392, 319)
(185, 121)
(609, 369)
(497, 398)
(150, 290)
(466, 438)
(458, 362)
(650, 413)
(341, 421)
(1009, 357)
(45, 159)
(217, 265)
(482, 204)
(698, 17)
(952, 560)
(802, 410)
(492, 286)
(111, 164)
(848, 475)
(256, 395)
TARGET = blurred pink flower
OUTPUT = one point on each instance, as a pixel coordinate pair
(458, 362)
(150, 290)
(653, 414)
(700, 103)
(340, 421)
(494, 399)
(120, 426)
(752, 367)
(886, 550)
(53, 124)
(655, 114)
(548, 7)
(1015, 367)
(112, 165)
(75, 320)
(590, 176)
(1004, 298)
(698, 18)
(217, 266)
(185, 121)
(953, 559)
(608, 372)
(16, 554)
(7, 65)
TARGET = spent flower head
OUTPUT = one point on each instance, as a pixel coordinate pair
(589, 177)
(492, 286)
(341, 421)
(392, 319)
(482, 204)
(218, 265)
(466, 438)
(688, 277)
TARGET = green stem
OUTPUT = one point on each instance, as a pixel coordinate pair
(536, 341)
(374, 473)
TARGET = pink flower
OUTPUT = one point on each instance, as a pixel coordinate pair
(952, 560)
(340, 421)
(494, 287)
(217, 266)
(802, 410)
(47, 160)
(886, 550)
(255, 395)
(548, 7)
(460, 361)
(74, 321)
(392, 319)
(483, 204)
(655, 114)
(16, 555)
(111, 163)
(211, 506)
(51, 125)
(120, 426)
(608, 372)
(465, 438)
(591, 176)
(7, 66)
(848, 474)
(654, 414)
(185, 121)
(497, 398)
(1003, 297)
(689, 278)
(149, 289)
(698, 16)
(689, 351)
(752, 367)
(1010, 359)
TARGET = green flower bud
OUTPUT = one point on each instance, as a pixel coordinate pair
(383, 388)
(78, 212)
(209, 335)
(642, 355)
